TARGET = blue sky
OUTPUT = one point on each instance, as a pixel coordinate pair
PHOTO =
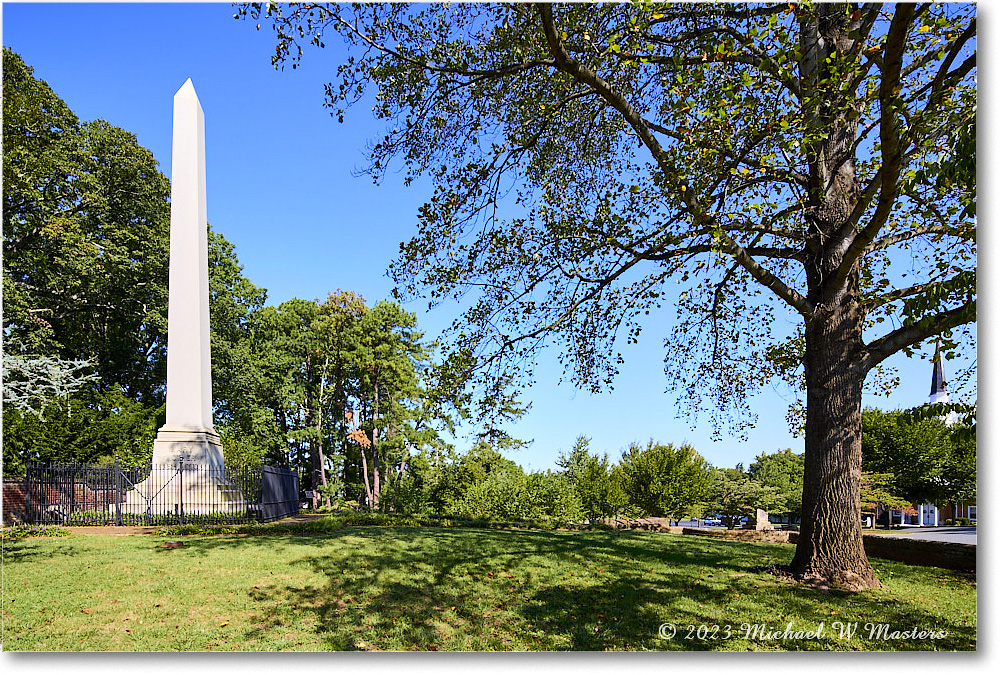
(280, 187)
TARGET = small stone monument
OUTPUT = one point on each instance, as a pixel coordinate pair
(760, 522)
(188, 436)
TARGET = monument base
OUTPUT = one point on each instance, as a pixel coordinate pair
(193, 446)
(188, 476)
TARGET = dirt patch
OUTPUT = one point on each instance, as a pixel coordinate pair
(780, 571)
(126, 530)
(112, 530)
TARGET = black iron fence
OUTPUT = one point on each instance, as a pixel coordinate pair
(181, 493)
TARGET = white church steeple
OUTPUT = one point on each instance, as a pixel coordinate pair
(939, 388)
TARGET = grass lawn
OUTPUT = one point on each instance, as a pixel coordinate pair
(423, 588)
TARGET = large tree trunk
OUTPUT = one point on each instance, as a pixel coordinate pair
(830, 548)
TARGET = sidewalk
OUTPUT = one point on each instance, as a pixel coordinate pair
(954, 535)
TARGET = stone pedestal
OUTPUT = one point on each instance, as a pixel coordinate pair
(192, 447)
(187, 489)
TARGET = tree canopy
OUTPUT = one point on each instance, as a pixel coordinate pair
(734, 493)
(784, 471)
(85, 224)
(665, 480)
(596, 163)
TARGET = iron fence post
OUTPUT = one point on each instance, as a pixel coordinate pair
(72, 489)
(119, 497)
(27, 493)
(148, 500)
(181, 497)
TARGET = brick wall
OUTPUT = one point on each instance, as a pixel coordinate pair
(81, 496)
(13, 501)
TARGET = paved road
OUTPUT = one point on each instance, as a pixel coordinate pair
(957, 535)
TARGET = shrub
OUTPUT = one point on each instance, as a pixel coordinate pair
(23, 530)
(511, 496)
(501, 496)
(550, 495)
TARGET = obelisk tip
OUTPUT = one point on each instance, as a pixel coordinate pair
(187, 89)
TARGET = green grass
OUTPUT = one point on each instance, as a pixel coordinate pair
(403, 588)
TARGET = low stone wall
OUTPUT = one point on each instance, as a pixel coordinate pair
(943, 554)
(649, 524)
(946, 555)
(771, 536)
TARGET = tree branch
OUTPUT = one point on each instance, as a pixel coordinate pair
(567, 64)
(892, 154)
(913, 233)
(900, 293)
(907, 336)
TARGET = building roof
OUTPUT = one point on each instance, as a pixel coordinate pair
(938, 385)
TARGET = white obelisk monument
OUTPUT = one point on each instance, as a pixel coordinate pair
(188, 432)
(188, 440)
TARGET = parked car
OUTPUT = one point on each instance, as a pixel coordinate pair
(712, 522)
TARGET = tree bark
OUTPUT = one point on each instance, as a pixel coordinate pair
(376, 469)
(364, 459)
(312, 421)
(319, 458)
(830, 548)
(364, 473)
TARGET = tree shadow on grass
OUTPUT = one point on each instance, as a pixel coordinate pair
(418, 588)
(444, 589)
(15, 551)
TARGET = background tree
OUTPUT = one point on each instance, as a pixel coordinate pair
(878, 493)
(472, 468)
(338, 326)
(921, 460)
(784, 471)
(574, 464)
(735, 494)
(391, 352)
(92, 427)
(248, 431)
(764, 156)
(85, 224)
(663, 480)
(29, 384)
(594, 479)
